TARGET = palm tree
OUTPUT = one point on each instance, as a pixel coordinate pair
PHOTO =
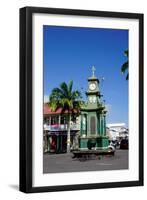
(125, 66)
(67, 99)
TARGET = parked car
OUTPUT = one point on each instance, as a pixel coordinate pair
(124, 144)
(114, 143)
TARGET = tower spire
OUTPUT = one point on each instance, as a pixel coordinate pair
(93, 70)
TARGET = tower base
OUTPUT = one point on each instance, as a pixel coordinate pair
(95, 143)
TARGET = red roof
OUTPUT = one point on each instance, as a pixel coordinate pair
(47, 110)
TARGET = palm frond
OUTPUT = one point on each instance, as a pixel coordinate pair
(56, 94)
(70, 86)
(53, 105)
(57, 91)
(126, 53)
(76, 95)
(64, 88)
(124, 67)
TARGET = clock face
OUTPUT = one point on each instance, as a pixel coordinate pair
(92, 86)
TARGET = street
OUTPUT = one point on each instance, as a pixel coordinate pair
(57, 163)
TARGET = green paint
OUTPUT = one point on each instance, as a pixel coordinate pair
(83, 143)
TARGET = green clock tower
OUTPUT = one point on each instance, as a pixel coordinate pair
(93, 118)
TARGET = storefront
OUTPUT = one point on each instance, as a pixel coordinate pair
(57, 141)
(55, 131)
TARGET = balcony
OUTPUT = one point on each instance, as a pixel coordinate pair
(61, 127)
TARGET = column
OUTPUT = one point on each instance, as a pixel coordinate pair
(49, 120)
(102, 118)
(48, 143)
(59, 119)
(104, 125)
(81, 124)
(84, 124)
(57, 147)
(100, 125)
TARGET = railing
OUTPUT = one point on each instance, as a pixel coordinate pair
(61, 127)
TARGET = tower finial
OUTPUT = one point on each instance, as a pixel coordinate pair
(93, 70)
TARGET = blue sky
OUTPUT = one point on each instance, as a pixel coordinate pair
(70, 52)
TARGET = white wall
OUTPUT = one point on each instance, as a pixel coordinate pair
(9, 84)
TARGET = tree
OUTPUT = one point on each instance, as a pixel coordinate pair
(125, 66)
(64, 97)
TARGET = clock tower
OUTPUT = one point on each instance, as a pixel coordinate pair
(93, 118)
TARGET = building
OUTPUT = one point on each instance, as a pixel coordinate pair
(117, 131)
(55, 130)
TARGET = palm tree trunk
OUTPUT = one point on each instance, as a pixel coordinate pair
(68, 134)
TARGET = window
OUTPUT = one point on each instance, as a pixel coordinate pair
(54, 120)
